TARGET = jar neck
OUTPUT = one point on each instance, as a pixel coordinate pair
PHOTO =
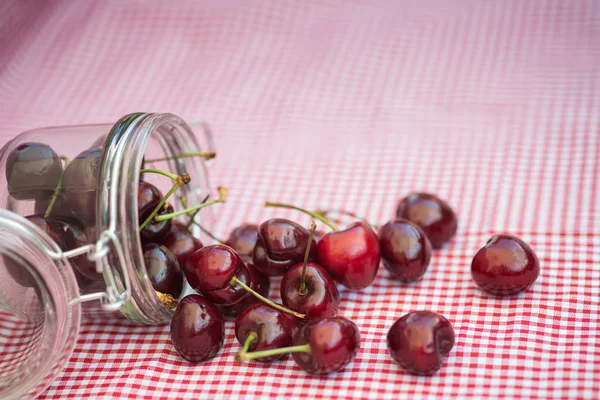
(118, 208)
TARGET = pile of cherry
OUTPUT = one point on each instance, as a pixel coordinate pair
(233, 278)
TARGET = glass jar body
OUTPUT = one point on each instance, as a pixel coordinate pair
(78, 185)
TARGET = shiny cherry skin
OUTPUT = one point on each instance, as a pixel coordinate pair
(280, 245)
(334, 342)
(322, 298)
(79, 186)
(432, 214)
(351, 256)
(505, 266)
(419, 341)
(163, 269)
(243, 239)
(181, 243)
(210, 269)
(155, 231)
(274, 328)
(33, 170)
(260, 283)
(76, 237)
(148, 198)
(405, 249)
(197, 329)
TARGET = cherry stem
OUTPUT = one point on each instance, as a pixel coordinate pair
(207, 155)
(235, 281)
(302, 290)
(167, 300)
(304, 348)
(252, 336)
(160, 172)
(221, 199)
(57, 189)
(180, 181)
(312, 214)
(209, 233)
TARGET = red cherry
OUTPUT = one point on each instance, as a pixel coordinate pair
(243, 239)
(76, 237)
(148, 198)
(210, 271)
(197, 329)
(405, 250)
(433, 215)
(505, 266)
(261, 327)
(351, 256)
(321, 298)
(419, 341)
(181, 243)
(259, 283)
(155, 231)
(332, 344)
(163, 269)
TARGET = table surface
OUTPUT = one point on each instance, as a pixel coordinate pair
(492, 105)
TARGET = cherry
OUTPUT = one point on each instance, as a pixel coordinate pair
(405, 250)
(80, 184)
(320, 347)
(259, 283)
(163, 269)
(505, 266)
(432, 214)
(75, 237)
(307, 288)
(261, 327)
(418, 341)
(54, 229)
(33, 171)
(243, 239)
(148, 198)
(197, 329)
(279, 246)
(155, 231)
(351, 256)
(181, 243)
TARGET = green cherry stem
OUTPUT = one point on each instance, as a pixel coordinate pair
(252, 336)
(57, 189)
(304, 348)
(180, 181)
(235, 281)
(303, 290)
(209, 233)
(207, 155)
(160, 172)
(312, 214)
(222, 198)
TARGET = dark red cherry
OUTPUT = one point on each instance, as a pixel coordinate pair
(332, 344)
(163, 269)
(197, 329)
(432, 214)
(321, 298)
(280, 245)
(505, 266)
(76, 237)
(54, 229)
(405, 250)
(181, 243)
(155, 231)
(210, 271)
(351, 256)
(243, 239)
(148, 198)
(419, 341)
(270, 328)
(259, 283)
(32, 171)
(80, 184)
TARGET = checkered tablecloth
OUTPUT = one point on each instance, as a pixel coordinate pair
(492, 105)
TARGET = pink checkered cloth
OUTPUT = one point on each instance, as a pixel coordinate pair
(492, 105)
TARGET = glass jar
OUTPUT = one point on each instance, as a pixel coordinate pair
(44, 292)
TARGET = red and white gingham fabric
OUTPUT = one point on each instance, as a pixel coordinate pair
(492, 105)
